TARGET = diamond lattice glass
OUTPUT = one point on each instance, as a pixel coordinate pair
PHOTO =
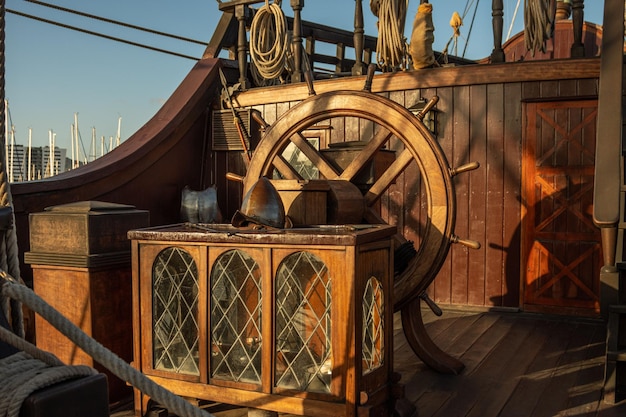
(236, 318)
(303, 345)
(373, 326)
(175, 329)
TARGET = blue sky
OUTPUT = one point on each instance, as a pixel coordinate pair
(54, 72)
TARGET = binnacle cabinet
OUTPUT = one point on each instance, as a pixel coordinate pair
(298, 321)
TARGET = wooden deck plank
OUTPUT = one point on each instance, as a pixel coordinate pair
(587, 392)
(560, 391)
(431, 392)
(537, 377)
(503, 361)
(516, 365)
(507, 375)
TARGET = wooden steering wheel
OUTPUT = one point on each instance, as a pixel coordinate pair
(390, 120)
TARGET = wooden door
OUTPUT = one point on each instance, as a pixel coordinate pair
(561, 251)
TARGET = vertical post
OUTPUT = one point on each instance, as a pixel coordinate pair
(297, 6)
(359, 33)
(241, 13)
(608, 176)
(563, 10)
(578, 49)
(497, 11)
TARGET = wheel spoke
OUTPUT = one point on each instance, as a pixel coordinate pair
(372, 217)
(388, 116)
(314, 156)
(285, 169)
(388, 177)
(366, 154)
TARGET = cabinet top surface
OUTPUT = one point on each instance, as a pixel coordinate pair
(226, 233)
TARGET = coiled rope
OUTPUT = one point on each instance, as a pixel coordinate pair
(269, 43)
(12, 289)
(22, 374)
(391, 47)
(539, 18)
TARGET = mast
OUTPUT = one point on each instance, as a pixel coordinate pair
(119, 132)
(48, 170)
(30, 146)
(6, 132)
(77, 160)
(72, 145)
(92, 153)
(11, 158)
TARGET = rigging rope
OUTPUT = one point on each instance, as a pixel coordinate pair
(538, 23)
(456, 21)
(391, 47)
(268, 42)
(9, 253)
(115, 22)
(101, 35)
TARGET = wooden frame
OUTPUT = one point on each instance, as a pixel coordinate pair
(351, 258)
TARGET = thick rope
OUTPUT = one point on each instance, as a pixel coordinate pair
(455, 23)
(27, 347)
(538, 24)
(22, 374)
(269, 43)
(97, 351)
(9, 256)
(391, 47)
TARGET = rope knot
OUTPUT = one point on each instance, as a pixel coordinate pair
(456, 22)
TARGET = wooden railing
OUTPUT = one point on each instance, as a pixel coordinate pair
(231, 35)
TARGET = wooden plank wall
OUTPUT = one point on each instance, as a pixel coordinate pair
(559, 47)
(482, 123)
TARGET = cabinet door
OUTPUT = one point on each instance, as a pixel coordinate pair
(305, 359)
(235, 307)
(173, 303)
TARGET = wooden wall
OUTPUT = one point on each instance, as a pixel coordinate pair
(559, 47)
(480, 119)
(480, 122)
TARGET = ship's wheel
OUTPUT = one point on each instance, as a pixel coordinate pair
(391, 122)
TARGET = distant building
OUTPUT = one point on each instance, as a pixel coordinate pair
(41, 163)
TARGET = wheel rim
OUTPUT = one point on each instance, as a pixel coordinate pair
(394, 120)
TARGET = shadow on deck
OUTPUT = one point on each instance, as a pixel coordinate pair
(516, 364)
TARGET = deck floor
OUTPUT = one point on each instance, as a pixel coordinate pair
(516, 364)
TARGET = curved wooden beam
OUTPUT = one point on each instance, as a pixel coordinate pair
(148, 170)
(422, 344)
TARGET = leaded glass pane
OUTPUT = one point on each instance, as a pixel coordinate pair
(236, 318)
(299, 161)
(373, 326)
(175, 331)
(303, 345)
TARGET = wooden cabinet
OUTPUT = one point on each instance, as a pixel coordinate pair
(297, 321)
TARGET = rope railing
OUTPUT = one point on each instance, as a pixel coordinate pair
(108, 359)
